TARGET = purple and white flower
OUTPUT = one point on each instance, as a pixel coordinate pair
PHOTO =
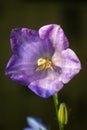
(42, 60)
(35, 124)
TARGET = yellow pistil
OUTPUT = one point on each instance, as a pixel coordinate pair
(44, 64)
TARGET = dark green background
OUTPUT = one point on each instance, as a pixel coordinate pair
(17, 101)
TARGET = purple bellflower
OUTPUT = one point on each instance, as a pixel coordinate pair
(35, 124)
(42, 60)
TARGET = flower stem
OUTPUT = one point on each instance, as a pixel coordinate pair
(61, 127)
(56, 103)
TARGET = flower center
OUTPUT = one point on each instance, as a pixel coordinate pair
(44, 64)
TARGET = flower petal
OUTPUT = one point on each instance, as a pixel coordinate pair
(70, 65)
(21, 36)
(55, 34)
(22, 71)
(47, 86)
(36, 124)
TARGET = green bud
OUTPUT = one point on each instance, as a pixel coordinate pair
(63, 114)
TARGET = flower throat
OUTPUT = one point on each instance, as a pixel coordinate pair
(44, 64)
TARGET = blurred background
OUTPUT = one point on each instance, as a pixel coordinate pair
(17, 101)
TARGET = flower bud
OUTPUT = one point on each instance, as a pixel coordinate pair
(63, 114)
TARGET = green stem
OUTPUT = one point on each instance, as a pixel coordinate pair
(56, 103)
(61, 126)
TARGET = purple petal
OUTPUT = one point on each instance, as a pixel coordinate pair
(21, 36)
(48, 86)
(70, 65)
(55, 34)
(22, 71)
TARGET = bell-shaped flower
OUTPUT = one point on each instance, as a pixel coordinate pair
(42, 60)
